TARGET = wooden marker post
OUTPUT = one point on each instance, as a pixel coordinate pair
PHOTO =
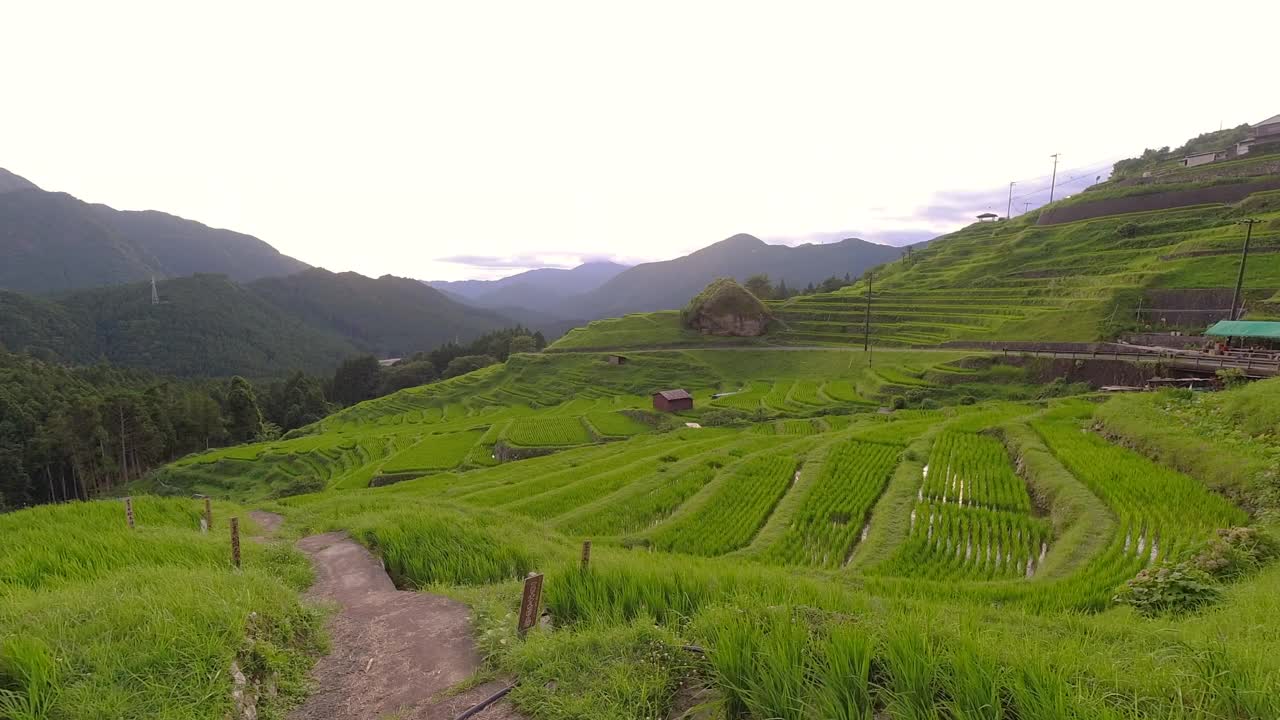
(128, 512)
(586, 555)
(529, 603)
(208, 514)
(235, 542)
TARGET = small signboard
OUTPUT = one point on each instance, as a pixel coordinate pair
(586, 554)
(128, 511)
(530, 602)
(208, 515)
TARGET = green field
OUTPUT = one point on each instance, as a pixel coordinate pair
(830, 558)
(556, 401)
(98, 621)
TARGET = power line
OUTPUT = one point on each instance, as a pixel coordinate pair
(1068, 181)
(1244, 256)
(1054, 178)
(1099, 165)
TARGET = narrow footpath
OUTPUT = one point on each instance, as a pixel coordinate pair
(393, 653)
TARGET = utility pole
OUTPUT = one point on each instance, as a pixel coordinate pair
(866, 338)
(1244, 256)
(1026, 206)
(1054, 180)
(1008, 212)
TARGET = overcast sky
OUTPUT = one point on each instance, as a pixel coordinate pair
(393, 137)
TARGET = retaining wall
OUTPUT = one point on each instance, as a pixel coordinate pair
(1216, 195)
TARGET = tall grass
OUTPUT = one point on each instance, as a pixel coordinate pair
(425, 548)
(100, 621)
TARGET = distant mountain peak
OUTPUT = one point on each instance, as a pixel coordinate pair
(10, 182)
(740, 240)
(601, 265)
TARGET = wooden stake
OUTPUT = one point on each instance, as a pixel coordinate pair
(235, 541)
(208, 514)
(586, 554)
(128, 512)
(529, 603)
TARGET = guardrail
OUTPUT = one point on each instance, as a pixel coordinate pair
(1251, 366)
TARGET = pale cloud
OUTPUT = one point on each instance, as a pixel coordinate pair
(519, 261)
(382, 136)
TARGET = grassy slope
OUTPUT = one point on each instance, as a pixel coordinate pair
(97, 620)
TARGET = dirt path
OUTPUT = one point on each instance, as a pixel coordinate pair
(267, 522)
(392, 652)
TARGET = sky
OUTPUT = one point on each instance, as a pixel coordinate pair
(455, 140)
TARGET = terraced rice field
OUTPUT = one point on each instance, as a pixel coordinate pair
(812, 535)
(739, 506)
(615, 424)
(434, 452)
(837, 509)
(544, 431)
(972, 516)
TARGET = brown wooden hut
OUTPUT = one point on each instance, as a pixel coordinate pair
(672, 400)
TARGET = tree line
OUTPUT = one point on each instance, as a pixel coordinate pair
(69, 433)
(764, 288)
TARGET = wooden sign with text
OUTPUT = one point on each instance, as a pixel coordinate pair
(530, 602)
(128, 511)
(208, 515)
(586, 554)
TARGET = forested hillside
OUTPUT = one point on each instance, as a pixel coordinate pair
(76, 433)
(209, 326)
(52, 241)
(206, 325)
(389, 316)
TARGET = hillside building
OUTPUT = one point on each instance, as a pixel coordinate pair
(1267, 131)
(617, 359)
(672, 400)
(1203, 158)
(988, 217)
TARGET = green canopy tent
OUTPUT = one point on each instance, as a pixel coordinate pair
(1255, 329)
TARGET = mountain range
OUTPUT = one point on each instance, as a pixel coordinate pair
(602, 289)
(52, 241)
(74, 287)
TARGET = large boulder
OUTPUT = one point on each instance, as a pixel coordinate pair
(726, 308)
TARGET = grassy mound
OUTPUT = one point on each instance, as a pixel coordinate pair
(726, 308)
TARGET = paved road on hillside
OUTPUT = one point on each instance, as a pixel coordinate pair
(1204, 363)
